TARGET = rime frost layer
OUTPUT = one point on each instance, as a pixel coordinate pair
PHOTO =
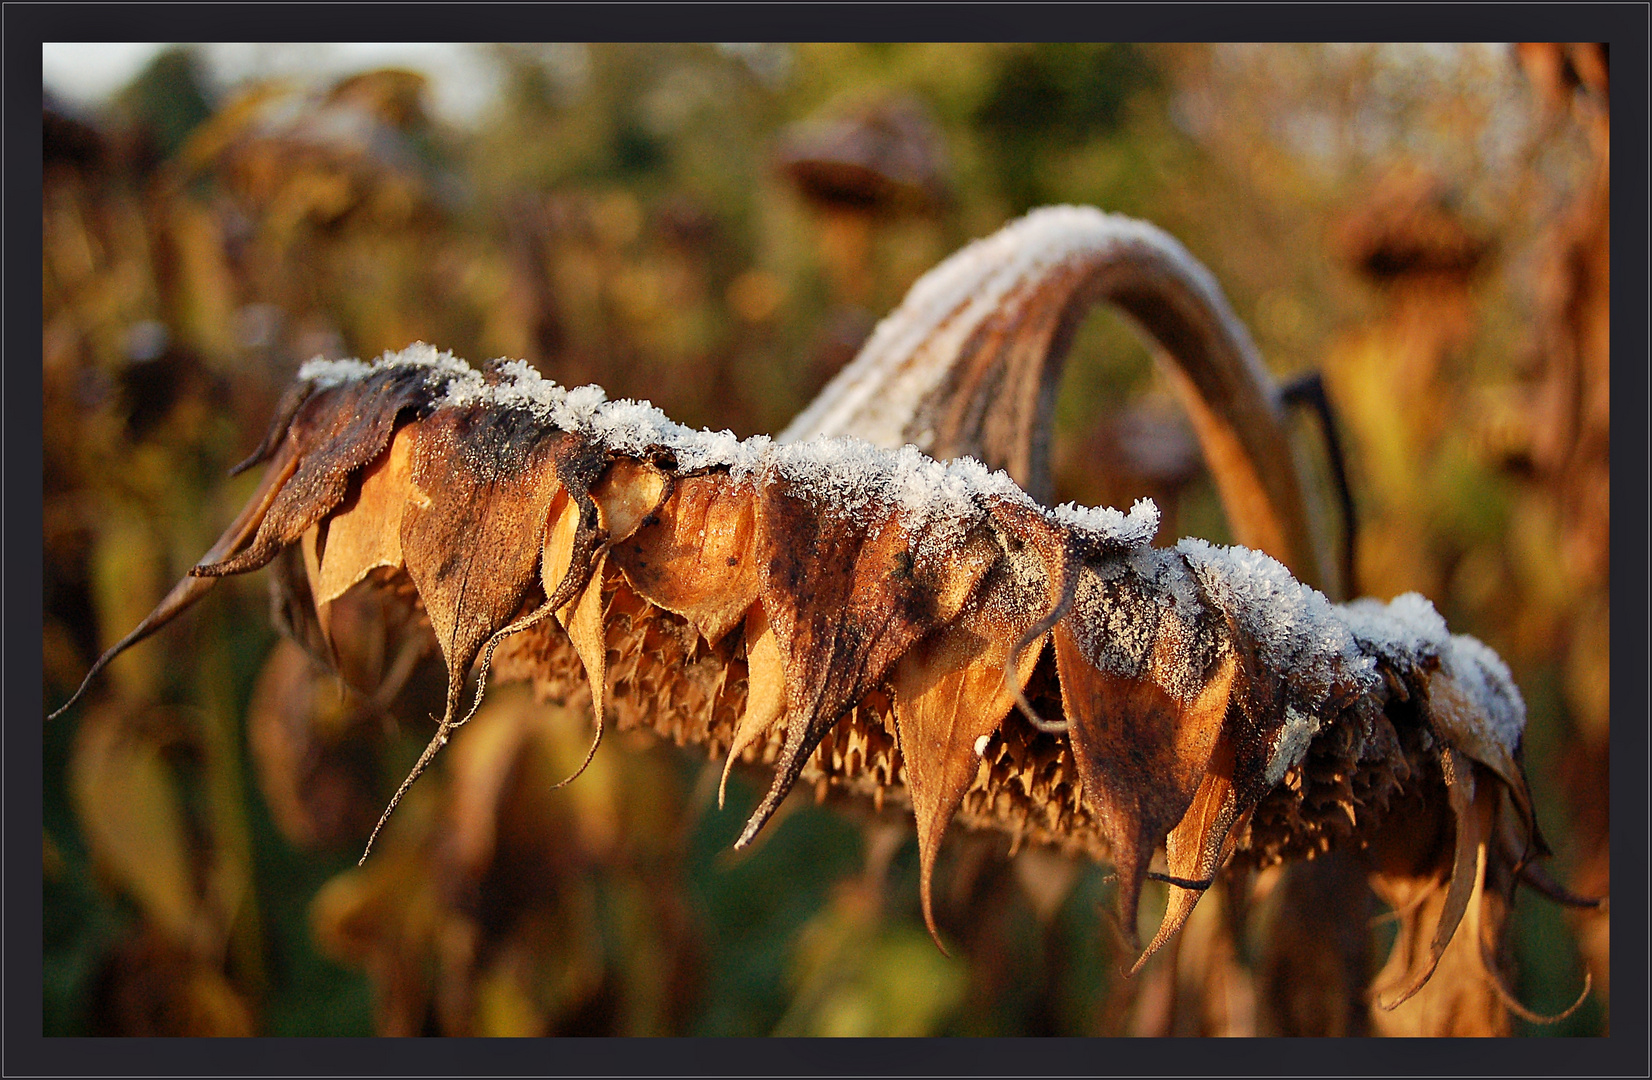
(905, 360)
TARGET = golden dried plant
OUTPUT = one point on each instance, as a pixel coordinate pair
(882, 624)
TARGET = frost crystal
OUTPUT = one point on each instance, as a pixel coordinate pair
(1295, 628)
(1482, 675)
(1405, 630)
(938, 499)
(880, 393)
(1105, 523)
(1291, 744)
(326, 373)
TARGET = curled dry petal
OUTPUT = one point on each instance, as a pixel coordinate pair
(334, 432)
(846, 596)
(765, 692)
(1468, 868)
(951, 695)
(190, 589)
(365, 532)
(696, 556)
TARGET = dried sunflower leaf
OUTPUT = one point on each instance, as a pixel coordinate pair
(765, 691)
(846, 595)
(191, 588)
(695, 558)
(951, 695)
(482, 486)
(364, 533)
(1144, 681)
(1202, 841)
(335, 431)
(1467, 868)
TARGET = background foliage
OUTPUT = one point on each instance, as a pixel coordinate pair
(1412, 221)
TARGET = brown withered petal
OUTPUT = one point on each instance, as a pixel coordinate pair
(626, 494)
(951, 695)
(582, 619)
(1201, 842)
(335, 431)
(695, 557)
(765, 691)
(309, 546)
(276, 434)
(1143, 709)
(1467, 867)
(191, 589)
(568, 570)
(481, 481)
(365, 531)
(1258, 712)
(1455, 716)
(471, 532)
(845, 598)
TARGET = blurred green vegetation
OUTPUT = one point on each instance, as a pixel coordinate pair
(616, 216)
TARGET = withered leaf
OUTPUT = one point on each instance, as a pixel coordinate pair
(581, 616)
(191, 589)
(695, 558)
(1202, 841)
(765, 691)
(845, 597)
(1144, 708)
(474, 523)
(1467, 866)
(574, 528)
(951, 694)
(481, 481)
(136, 823)
(583, 621)
(275, 434)
(365, 531)
(335, 431)
(309, 546)
(1459, 718)
(626, 494)
(1259, 699)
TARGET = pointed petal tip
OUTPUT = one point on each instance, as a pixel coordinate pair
(1512, 1003)
(935, 936)
(754, 825)
(784, 779)
(181, 596)
(80, 691)
(1534, 877)
(590, 753)
(925, 896)
(248, 462)
(728, 767)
